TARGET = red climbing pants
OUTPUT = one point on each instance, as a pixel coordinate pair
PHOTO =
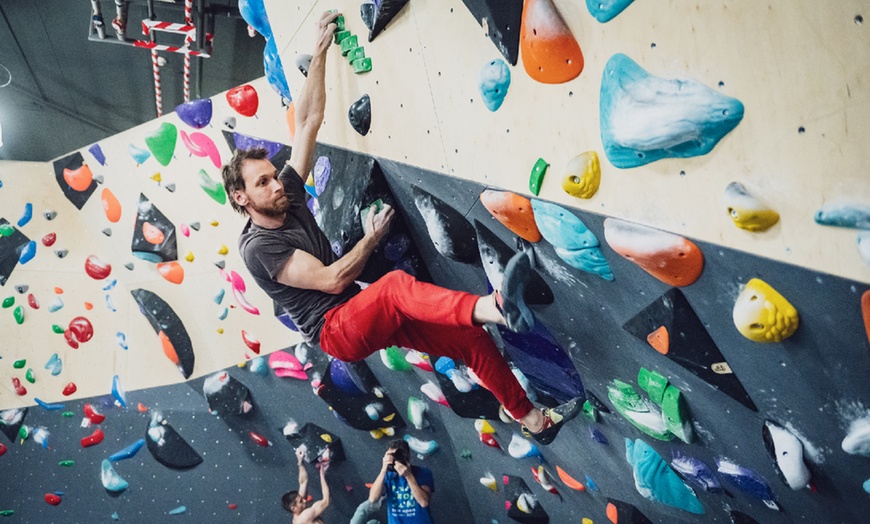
(399, 310)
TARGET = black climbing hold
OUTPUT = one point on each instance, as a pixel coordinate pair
(449, 230)
(516, 488)
(385, 12)
(226, 396)
(11, 247)
(163, 319)
(502, 20)
(316, 440)
(166, 250)
(169, 448)
(367, 13)
(738, 517)
(495, 253)
(72, 162)
(360, 115)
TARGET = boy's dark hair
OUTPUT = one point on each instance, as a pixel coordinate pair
(232, 173)
(288, 499)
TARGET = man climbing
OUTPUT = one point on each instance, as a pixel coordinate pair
(296, 502)
(292, 261)
(409, 488)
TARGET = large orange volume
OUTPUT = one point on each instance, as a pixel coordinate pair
(550, 53)
(514, 211)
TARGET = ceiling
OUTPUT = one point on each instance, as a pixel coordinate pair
(67, 92)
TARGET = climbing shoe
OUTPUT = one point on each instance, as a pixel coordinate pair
(509, 300)
(555, 419)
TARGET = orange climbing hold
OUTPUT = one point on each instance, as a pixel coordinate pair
(674, 260)
(570, 481)
(111, 206)
(79, 179)
(612, 513)
(152, 233)
(660, 340)
(514, 211)
(865, 310)
(291, 121)
(168, 348)
(551, 54)
(171, 271)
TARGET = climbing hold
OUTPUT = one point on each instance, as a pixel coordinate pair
(489, 440)
(138, 154)
(178, 511)
(605, 11)
(93, 439)
(748, 480)
(119, 394)
(195, 113)
(244, 100)
(493, 81)
(79, 179)
(747, 211)
(49, 214)
(696, 471)
(787, 453)
(598, 436)
(27, 253)
(110, 478)
(227, 396)
(29, 376)
(55, 306)
(656, 481)
(259, 440)
(573, 241)
(169, 328)
(676, 414)
(659, 340)
(582, 175)
(128, 452)
(545, 480)
(489, 481)
(841, 213)
(223, 250)
(483, 426)
(19, 389)
(26, 215)
(569, 481)
(54, 365)
(201, 145)
(81, 329)
(96, 268)
(52, 499)
(431, 390)
(161, 142)
(521, 504)
(449, 230)
(513, 211)
(171, 271)
(551, 54)
(521, 448)
(423, 448)
(212, 188)
(762, 314)
(640, 412)
(417, 412)
(536, 178)
(393, 358)
(321, 171)
(286, 365)
(167, 446)
(69, 389)
(252, 343)
(97, 152)
(670, 258)
(18, 314)
(303, 63)
(857, 440)
(419, 360)
(93, 415)
(360, 115)
(32, 302)
(8, 302)
(645, 118)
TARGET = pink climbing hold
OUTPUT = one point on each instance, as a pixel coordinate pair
(431, 390)
(201, 145)
(243, 302)
(96, 268)
(252, 343)
(19, 389)
(81, 328)
(237, 281)
(52, 499)
(287, 365)
(93, 439)
(93, 415)
(185, 230)
(69, 389)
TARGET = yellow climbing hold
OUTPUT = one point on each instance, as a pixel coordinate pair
(747, 211)
(223, 250)
(586, 521)
(214, 223)
(156, 177)
(326, 438)
(489, 481)
(241, 364)
(189, 256)
(762, 314)
(220, 331)
(389, 417)
(582, 175)
(483, 426)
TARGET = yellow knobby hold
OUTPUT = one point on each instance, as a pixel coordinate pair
(189, 256)
(582, 175)
(326, 437)
(156, 177)
(483, 426)
(763, 315)
(220, 331)
(223, 250)
(747, 211)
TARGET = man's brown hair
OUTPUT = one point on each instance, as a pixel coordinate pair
(232, 173)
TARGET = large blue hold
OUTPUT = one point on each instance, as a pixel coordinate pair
(254, 13)
(572, 240)
(606, 10)
(494, 80)
(655, 480)
(274, 69)
(645, 118)
(842, 214)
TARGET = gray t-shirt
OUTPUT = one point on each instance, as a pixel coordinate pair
(266, 251)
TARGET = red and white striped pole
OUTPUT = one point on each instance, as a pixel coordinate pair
(188, 19)
(158, 92)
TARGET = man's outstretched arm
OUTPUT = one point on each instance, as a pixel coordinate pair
(311, 102)
(320, 506)
(303, 473)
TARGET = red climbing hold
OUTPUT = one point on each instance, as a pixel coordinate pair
(2, 449)
(92, 414)
(52, 499)
(70, 389)
(489, 440)
(19, 389)
(232, 506)
(260, 440)
(93, 439)
(70, 339)
(49, 239)
(551, 54)
(81, 329)
(660, 340)
(514, 211)
(96, 268)
(865, 310)
(32, 301)
(251, 342)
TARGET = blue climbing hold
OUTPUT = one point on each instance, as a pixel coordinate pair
(48, 406)
(28, 252)
(97, 151)
(26, 215)
(494, 80)
(254, 13)
(128, 452)
(573, 241)
(843, 214)
(696, 471)
(655, 480)
(606, 10)
(275, 70)
(645, 118)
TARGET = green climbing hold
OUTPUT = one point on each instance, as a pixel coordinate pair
(676, 415)
(57, 329)
(537, 176)
(6, 230)
(351, 42)
(213, 189)
(339, 23)
(590, 411)
(377, 205)
(363, 65)
(30, 376)
(8, 302)
(466, 454)
(18, 364)
(654, 383)
(68, 414)
(641, 413)
(341, 35)
(356, 53)
(66, 463)
(7, 512)
(23, 433)
(394, 359)
(19, 315)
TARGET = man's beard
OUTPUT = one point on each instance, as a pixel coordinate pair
(276, 209)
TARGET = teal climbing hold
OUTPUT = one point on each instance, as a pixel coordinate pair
(655, 480)
(573, 241)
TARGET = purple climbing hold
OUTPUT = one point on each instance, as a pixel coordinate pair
(98, 154)
(322, 170)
